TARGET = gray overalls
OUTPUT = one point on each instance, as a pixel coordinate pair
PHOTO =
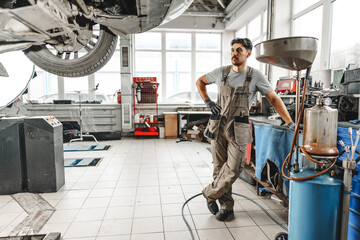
(230, 133)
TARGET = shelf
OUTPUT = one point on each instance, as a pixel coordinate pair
(148, 123)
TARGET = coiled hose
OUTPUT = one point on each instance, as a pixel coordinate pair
(196, 195)
(288, 158)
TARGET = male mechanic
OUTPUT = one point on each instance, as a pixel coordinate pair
(228, 126)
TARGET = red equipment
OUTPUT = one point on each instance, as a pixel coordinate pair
(286, 84)
(145, 106)
(118, 95)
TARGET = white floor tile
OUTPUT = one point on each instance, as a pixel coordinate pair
(144, 211)
(119, 212)
(83, 229)
(215, 234)
(207, 221)
(63, 216)
(115, 227)
(97, 202)
(241, 219)
(246, 233)
(176, 223)
(90, 214)
(180, 235)
(147, 225)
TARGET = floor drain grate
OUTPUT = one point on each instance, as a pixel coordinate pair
(81, 162)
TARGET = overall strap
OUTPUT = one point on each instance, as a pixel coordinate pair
(225, 73)
(249, 74)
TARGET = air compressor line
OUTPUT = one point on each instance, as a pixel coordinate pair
(196, 195)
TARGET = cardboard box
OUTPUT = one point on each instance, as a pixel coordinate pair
(192, 134)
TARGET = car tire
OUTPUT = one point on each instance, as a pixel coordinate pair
(93, 60)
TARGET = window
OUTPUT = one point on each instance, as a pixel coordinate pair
(174, 62)
(345, 44)
(254, 28)
(256, 31)
(44, 83)
(149, 41)
(300, 5)
(149, 64)
(208, 42)
(178, 73)
(310, 24)
(178, 41)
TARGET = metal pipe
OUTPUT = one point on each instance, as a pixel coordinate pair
(221, 3)
(83, 6)
(297, 112)
(348, 166)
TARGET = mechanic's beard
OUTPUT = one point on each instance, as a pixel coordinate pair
(238, 63)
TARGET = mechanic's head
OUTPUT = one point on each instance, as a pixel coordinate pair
(244, 41)
(240, 51)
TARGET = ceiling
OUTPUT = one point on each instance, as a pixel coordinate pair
(222, 9)
(217, 6)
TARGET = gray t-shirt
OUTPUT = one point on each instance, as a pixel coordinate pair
(237, 79)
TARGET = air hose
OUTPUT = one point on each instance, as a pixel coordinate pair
(288, 158)
(196, 195)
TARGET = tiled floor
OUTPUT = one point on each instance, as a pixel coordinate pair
(137, 192)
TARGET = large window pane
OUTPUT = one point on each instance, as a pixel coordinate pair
(345, 38)
(206, 62)
(44, 84)
(148, 40)
(252, 62)
(300, 5)
(265, 18)
(210, 42)
(254, 29)
(148, 64)
(310, 24)
(109, 84)
(178, 41)
(178, 74)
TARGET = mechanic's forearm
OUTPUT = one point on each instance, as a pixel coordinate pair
(280, 108)
(201, 86)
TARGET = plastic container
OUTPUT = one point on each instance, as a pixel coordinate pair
(320, 130)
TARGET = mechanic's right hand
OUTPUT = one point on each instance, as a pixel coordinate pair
(214, 107)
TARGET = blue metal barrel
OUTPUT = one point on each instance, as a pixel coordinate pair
(315, 207)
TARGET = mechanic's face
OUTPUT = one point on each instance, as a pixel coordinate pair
(239, 54)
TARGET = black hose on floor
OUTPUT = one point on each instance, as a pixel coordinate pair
(263, 209)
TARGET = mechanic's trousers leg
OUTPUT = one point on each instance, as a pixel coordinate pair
(228, 161)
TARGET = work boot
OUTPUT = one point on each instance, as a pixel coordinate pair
(223, 214)
(211, 204)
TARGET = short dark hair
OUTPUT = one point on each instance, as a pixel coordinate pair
(244, 41)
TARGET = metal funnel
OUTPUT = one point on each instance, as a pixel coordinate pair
(293, 53)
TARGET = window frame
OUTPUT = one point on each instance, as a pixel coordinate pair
(193, 51)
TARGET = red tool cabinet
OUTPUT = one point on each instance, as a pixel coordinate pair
(145, 106)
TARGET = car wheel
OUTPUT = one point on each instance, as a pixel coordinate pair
(97, 53)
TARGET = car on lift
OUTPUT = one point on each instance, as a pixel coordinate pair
(74, 38)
